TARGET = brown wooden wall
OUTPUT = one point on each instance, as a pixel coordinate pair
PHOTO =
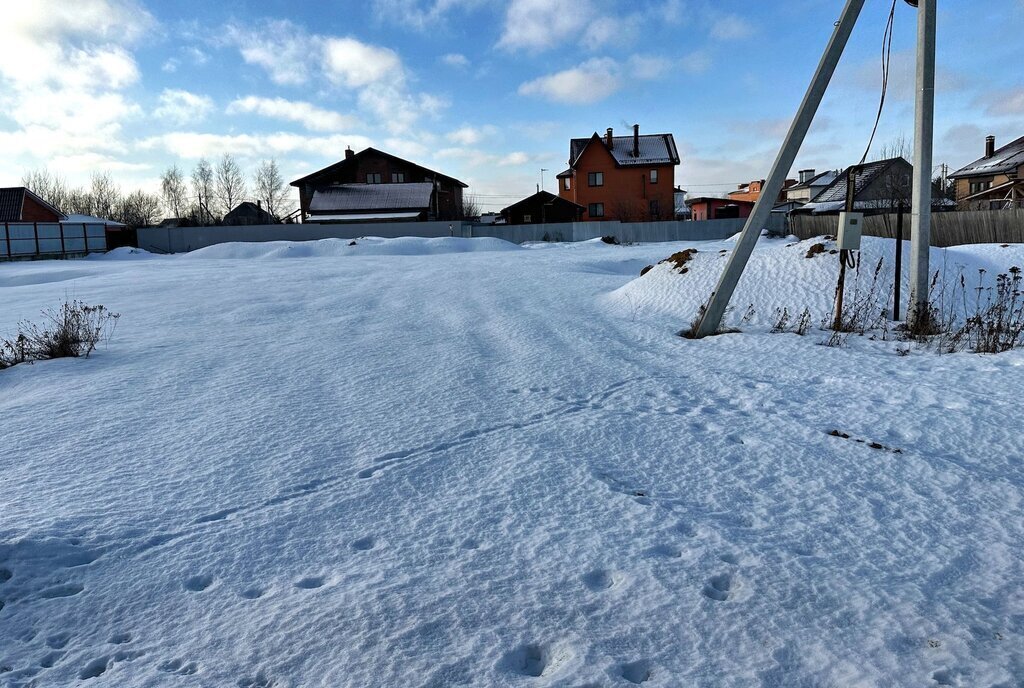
(948, 229)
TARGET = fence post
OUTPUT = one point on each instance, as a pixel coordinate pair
(85, 238)
(35, 231)
(63, 248)
(7, 238)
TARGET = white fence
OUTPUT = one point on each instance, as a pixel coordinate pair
(184, 239)
(20, 240)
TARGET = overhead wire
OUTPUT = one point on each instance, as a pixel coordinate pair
(886, 58)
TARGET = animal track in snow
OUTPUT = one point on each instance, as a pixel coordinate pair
(947, 677)
(729, 558)
(179, 667)
(470, 543)
(198, 583)
(599, 579)
(636, 672)
(67, 590)
(664, 551)
(120, 638)
(310, 582)
(5, 575)
(50, 659)
(532, 659)
(260, 680)
(95, 668)
(58, 641)
(720, 587)
(252, 593)
(364, 543)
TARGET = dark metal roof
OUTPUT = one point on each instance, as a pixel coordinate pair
(356, 197)
(869, 172)
(544, 197)
(11, 201)
(823, 179)
(373, 151)
(655, 149)
(1006, 159)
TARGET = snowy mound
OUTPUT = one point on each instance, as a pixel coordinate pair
(123, 253)
(799, 275)
(363, 246)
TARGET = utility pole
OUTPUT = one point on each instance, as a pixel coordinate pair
(924, 126)
(542, 171)
(719, 300)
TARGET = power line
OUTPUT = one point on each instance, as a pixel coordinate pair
(886, 55)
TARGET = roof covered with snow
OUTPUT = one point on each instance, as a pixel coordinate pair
(90, 220)
(1005, 159)
(655, 149)
(357, 197)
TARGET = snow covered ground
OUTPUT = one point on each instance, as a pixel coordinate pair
(461, 462)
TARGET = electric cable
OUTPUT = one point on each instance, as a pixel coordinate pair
(886, 57)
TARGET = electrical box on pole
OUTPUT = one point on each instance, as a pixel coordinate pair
(850, 229)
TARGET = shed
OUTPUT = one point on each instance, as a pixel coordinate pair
(541, 208)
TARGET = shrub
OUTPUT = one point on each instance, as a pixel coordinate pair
(73, 330)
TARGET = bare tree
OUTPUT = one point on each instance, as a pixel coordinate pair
(105, 195)
(230, 183)
(470, 208)
(202, 189)
(138, 209)
(50, 187)
(174, 191)
(271, 188)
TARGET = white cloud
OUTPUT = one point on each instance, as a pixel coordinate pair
(419, 14)
(280, 47)
(455, 60)
(180, 107)
(466, 136)
(356, 64)
(697, 62)
(594, 80)
(308, 115)
(63, 67)
(541, 24)
(194, 145)
(730, 27)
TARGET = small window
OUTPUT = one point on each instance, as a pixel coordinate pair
(596, 209)
(398, 178)
(568, 183)
(374, 178)
(527, 218)
(654, 176)
(654, 209)
(595, 178)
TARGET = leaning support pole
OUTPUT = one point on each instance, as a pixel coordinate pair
(719, 300)
(921, 212)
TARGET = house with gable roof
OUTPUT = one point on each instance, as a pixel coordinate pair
(994, 182)
(626, 178)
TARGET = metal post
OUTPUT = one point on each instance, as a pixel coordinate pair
(898, 284)
(85, 238)
(35, 232)
(7, 238)
(719, 300)
(921, 211)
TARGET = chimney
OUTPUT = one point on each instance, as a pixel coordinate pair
(349, 153)
(990, 146)
(806, 176)
(259, 205)
(608, 139)
(636, 140)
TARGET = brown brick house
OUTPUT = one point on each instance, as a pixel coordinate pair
(18, 204)
(626, 178)
(752, 191)
(994, 182)
(373, 185)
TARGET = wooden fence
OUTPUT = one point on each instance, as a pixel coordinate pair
(948, 229)
(27, 240)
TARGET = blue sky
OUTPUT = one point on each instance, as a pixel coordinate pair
(489, 91)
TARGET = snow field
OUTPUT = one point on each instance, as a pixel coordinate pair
(499, 468)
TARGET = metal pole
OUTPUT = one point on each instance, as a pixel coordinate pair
(719, 300)
(897, 285)
(921, 211)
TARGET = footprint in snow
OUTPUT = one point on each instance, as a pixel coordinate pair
(50, 659)
(198, 583)
(58, 641)
(95, 668)
(260, 680)
(664, 551)
(120, 638)
(179, 667)
(637, 672)
(68, 590)
(5, 575)
(720, 587)
(252, 593)
(310, 582)
(599, 580)
(364, 543)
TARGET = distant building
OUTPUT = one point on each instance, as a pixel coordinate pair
(376, 186)
(809, 186)
(682, 211)
(706, 208)
(994, 182)
(249, 213)
(626, 178)
(752, 191)
(541, 208)
(18, 204)
(880, 187)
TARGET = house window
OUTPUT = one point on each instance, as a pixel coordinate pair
(978, 187)
(653, 209)
(568, 183)
(374, 178)
(595, 178)
(527, 218)
(398, 177)
(654, 176)
(596, 209)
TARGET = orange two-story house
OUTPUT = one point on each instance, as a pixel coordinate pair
(626, 178)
